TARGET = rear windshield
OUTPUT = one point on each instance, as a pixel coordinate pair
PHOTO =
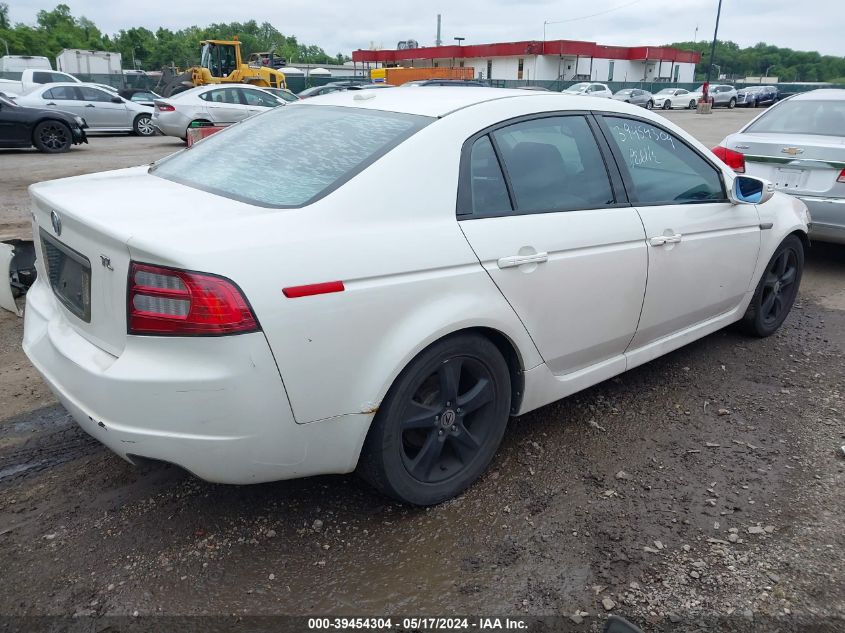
(825, 118)
(290, 156)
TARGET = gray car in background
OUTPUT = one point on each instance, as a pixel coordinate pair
(636, 96)
(799, 146)
(103, 110)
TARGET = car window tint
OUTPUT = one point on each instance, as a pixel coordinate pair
(310, 151)
(489, 191)
(143, 96)
(45, 77)
(663, 169)
(60, 93)
(223, 95)
(94, 94)
(554, 164)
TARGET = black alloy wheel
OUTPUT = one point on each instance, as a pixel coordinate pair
(52, 137)
(667, 104)
(777, 289)
(441, 422)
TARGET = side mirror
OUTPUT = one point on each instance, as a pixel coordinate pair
(751, 190)
(117, 100)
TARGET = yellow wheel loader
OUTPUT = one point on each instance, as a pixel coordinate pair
(221, 63)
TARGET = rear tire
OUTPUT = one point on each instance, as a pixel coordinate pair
(732, 103)
(649, 105)
(440, 423)
(776, 290)
(52, 137)
(143, 125)
(692, 104)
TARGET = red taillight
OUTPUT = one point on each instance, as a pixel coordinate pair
(167, 301)
(732, 159)
(161, 106)
(841, 176)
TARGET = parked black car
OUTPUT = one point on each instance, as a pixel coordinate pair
(50, 131)
(754, 96)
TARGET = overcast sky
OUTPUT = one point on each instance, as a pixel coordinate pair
(343, 25)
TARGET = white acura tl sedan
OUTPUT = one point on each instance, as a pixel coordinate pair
(420, 266)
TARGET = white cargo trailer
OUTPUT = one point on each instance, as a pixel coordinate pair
(19, 63)
(80, 62)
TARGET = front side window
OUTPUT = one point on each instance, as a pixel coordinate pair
(554, 164)
(222, 95)
(258, 98)
(93, 94)
(662, 168)
(311, 151)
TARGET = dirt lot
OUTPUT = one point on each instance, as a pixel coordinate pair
(703, 491)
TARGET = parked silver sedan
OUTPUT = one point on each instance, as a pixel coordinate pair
(103, 111)
(636, 96)
(215, 103)
(799, 145)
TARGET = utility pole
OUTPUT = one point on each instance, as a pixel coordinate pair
(712, 52)
(695, 37)
(6, 44)
(438, 41)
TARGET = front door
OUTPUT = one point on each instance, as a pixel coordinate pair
(538, 208)
(702, 250)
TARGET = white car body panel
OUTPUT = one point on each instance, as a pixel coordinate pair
(298, 398)
(680, 99)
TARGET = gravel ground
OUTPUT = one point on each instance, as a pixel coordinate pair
(702, 491)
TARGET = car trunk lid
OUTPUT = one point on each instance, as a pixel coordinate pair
(805, 164)
(83, 227)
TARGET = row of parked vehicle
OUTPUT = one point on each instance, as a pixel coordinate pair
(55, 109)
(669, 98)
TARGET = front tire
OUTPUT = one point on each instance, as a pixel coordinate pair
(52, 137)
(143, 125)
(649, 104)
(692, 104)
(667, 104)
(440, 423)
(777, 289)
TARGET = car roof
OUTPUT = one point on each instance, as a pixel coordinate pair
(826, 94)
(433, 101)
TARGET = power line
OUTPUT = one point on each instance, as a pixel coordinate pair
(593, 15)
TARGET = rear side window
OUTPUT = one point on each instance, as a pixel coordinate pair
(48, 77)
(798, 116)
(489, 191)
(94, 94)
(61, 93)
(662, 168)
(308, 151)
(554, 164)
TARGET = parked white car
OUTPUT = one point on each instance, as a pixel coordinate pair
(252, 328)
(103, 111)
(588, 89)
(669, 98)
(217, 103)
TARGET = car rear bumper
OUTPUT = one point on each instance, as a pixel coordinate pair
(215, 406)
(171, 123)
(828, 216)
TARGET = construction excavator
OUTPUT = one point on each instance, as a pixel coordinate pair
(220, 63)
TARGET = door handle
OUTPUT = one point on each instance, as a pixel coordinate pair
(519, 260)
(661, 240)
(51, 103)
(89, 105)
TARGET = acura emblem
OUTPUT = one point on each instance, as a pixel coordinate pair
(56, 221)
(792, 151)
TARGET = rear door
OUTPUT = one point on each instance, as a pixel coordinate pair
(224, 105)
(64, 98)
(702, 250)
(543, 213)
